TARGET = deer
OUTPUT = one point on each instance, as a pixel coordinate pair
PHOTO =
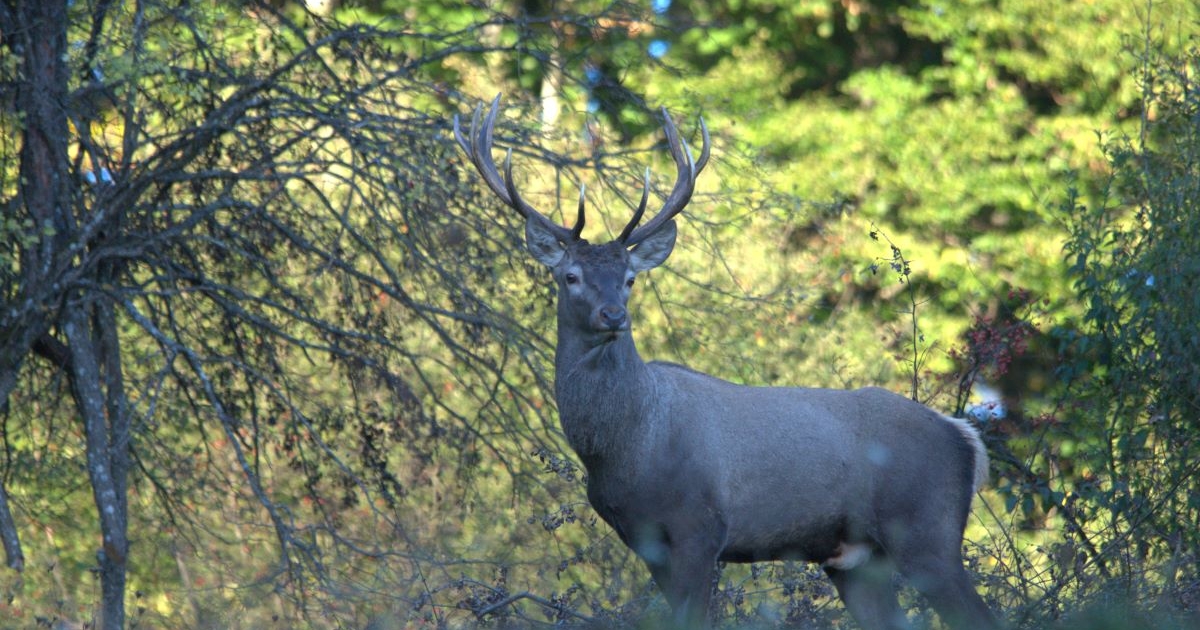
(691, 470)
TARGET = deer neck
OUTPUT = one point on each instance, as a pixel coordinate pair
(601, 387)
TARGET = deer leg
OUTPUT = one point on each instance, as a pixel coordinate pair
(869, 595)
(948, 588)
(937, 572)
(685, 574)
(690, 591)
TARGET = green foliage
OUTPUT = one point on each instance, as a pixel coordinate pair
(1134, 383)
(933, 137)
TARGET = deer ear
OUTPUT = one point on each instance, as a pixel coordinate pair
(653, 249)
(543, 243)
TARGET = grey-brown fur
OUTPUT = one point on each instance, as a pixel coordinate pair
(691, 470)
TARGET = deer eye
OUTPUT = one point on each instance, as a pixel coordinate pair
(571, 278)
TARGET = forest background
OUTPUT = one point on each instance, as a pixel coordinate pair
(269, 357)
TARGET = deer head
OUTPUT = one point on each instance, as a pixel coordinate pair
(594, 280)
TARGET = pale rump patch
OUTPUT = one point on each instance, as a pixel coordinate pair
(971, 435)
(849, 555)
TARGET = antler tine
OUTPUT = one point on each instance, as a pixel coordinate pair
(685, 179)
(705, 148)
(577, 230)
(460, 139)
(479, 149)
(641, 209)
(562, 233)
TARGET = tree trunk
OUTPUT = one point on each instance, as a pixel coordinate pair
(36, 33)
(97, 387)
(14, 558)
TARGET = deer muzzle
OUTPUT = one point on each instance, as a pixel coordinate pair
(610, 318)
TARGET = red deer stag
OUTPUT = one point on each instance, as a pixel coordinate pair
(691, 470)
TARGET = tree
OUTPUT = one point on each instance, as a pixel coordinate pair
(241, 244)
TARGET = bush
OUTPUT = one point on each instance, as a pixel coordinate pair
(1124, 442)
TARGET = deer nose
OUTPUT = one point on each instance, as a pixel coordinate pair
(611, 317)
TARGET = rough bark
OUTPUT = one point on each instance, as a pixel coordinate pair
(91, 337)
(35, 32)
(13, 555)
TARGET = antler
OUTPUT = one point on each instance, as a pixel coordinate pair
(478, 147)
(685, 182)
